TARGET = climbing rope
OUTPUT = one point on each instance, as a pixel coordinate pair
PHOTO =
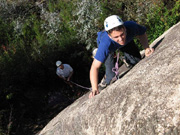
(116, 68)
(80, 85)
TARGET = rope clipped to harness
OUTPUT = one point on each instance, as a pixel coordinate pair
(116, 68)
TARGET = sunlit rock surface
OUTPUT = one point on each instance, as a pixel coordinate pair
(146, 101)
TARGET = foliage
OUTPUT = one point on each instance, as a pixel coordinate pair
(127, 10)
(35, 34)
(161, 19)
(29, 49)
(87, 14)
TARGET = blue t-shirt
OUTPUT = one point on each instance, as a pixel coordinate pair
(106, 45)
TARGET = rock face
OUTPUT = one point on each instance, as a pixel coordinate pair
(146, 101)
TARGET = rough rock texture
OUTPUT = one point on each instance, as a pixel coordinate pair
(146, 101)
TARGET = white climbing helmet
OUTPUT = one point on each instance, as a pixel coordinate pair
(112, 22)
(58, 63)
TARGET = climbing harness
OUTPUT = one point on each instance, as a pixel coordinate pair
(80, 85)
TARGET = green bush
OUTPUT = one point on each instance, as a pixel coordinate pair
(161, 19)
(35, 36)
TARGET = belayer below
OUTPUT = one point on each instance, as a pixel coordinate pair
(64, 71)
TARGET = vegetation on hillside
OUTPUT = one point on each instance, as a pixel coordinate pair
(35, 34)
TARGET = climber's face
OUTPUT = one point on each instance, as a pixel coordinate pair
(119, 36)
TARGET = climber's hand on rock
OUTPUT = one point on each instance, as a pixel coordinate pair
(149, 51)
(93, 93)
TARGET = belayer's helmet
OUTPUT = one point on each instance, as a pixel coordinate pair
(112, 22)
(58, 63)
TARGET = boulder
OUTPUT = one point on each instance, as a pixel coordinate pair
(145, 101)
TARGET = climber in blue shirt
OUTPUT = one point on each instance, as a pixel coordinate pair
(117, 35)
